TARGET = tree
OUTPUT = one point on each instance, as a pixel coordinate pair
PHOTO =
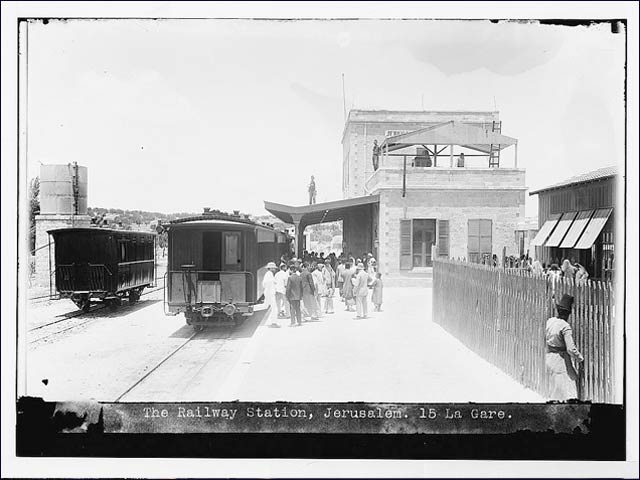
(34, 209)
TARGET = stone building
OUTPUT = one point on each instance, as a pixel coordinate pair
(417, 184)
(63, 203)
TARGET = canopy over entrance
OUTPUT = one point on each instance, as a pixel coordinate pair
(358, 215)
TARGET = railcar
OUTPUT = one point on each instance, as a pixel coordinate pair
(95, 265)
(216, 264)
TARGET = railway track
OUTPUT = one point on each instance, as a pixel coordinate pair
(67, 321)
(182, 367)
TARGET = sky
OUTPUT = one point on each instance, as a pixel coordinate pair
(176, 115)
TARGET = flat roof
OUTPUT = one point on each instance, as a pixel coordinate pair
(318, 212)
(419, 116)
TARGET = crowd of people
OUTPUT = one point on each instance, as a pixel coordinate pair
(568, 268)
(304, 289)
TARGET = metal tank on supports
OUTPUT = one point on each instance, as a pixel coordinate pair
(63, 204)
(63, 189)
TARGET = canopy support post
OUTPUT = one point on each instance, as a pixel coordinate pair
(404, 177)
(516, 165)
(298, 234)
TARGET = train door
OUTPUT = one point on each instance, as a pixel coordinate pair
(232, 252)
(211, 255)
(234, 285)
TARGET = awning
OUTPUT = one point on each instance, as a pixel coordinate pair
(576, 229)
(544, 232)
(594, 227)
(451, 133)
(563, 226)
(318, 212)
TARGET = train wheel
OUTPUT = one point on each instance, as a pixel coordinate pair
(134, 296)
(85, 305)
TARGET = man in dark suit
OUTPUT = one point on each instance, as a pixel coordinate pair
(294, 295)
(309, 292)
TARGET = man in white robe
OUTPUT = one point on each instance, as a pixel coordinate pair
(269, 288)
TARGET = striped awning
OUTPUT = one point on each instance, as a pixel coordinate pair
(544, 232)
(594, 227)
(561, 229)
(577, 227)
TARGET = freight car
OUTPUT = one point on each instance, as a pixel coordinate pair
(216, 264)
(102, 265)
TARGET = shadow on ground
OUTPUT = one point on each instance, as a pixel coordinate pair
(245, 329)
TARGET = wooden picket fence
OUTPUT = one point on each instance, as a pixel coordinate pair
(501, 316)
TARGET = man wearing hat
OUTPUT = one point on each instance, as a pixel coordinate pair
(561, 350)
(361, 290)
(281, 279)
(269, 289)
(294, 295)
(308, 292)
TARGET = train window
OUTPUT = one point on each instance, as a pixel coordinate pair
(231, 250)
(123, 255)
(265, 236)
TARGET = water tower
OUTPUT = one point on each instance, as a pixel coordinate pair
(63, 204)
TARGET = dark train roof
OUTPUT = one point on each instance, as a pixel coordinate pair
(216, 218)
(101, 230)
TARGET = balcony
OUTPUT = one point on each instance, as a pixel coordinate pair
(445, 178)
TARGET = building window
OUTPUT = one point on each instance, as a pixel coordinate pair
(520, 236)
(424, 237)
(405, 244)
(443, 238)
(480, 244)
(417, 238)
(608, 251)
(393, 133)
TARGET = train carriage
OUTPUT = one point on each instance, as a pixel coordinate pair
(216, 264)
(102, 265)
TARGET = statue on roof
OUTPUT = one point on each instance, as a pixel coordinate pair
(376, 155)
(312, 191)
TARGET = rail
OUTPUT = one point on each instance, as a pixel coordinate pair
(501, 316)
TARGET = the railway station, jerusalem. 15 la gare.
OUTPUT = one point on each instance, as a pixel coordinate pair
(436, 261)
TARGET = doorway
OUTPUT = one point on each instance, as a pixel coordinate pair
(211, 255)
(424, 237)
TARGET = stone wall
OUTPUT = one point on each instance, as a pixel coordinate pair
(365, 126)
(504, 208)
(44, 223)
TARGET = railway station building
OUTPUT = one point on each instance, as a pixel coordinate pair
(577, 221)
(419, 184)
